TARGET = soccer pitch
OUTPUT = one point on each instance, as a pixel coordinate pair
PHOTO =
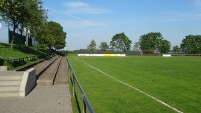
(140, 84)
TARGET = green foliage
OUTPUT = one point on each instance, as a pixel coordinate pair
(104, 46)
(191, 44)
(136, 46)
(120, 42)
(164, 46)
(52, 35)
(92, 46)
(150, 41)
(24, 13)
(175, 49)
(24, 51)
(153, 41)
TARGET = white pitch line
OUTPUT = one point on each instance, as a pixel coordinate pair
(158, 100)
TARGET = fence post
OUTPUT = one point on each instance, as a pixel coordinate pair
(73, 86)
(84, 104)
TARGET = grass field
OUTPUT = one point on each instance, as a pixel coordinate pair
(110, 83)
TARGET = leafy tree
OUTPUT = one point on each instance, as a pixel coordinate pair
(32, 14)
(191, 44)
(154, 41)
(103, 46)
(10, 10)
(150, 41)
(164, 46)
(52, 35)
(175, 49)
(92, 46)
(20, 13)
(136, 46)
(120, 42)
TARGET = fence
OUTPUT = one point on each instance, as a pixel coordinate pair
(86, 106)
(20, 61)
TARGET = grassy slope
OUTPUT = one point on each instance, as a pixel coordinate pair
(23, 51)
(174, 80)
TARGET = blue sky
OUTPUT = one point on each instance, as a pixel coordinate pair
(84, 20)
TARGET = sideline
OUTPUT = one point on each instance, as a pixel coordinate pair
(156, 99)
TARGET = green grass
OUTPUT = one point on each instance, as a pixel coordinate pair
(175, 80)
(18, 52)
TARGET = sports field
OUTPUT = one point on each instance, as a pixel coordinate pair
(140, 84)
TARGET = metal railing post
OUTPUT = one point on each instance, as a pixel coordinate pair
(73, 86)
(84, 104)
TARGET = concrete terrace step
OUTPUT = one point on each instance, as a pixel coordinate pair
(9, 93)
(11, 73)
(9, 88)
(41, 67)
(11, 77)
(61, 77)
(10, 82)
(48, 76)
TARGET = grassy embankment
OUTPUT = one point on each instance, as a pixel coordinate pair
(174, 80)
(18, 52)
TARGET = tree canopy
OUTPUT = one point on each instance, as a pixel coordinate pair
(104, 46)
(154, 41)
(20, 13)
(92, 46)
(120, 42)
(191, 44)
(175, 49)
(52, 35)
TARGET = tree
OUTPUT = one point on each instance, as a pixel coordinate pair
(52, 35)
(32, 15)
(120, 42)
(175, 49)
(164, 46)
(19, 13)
(92, 46)
(10, 10)
(153, 42)
(136, 47)
(191, 44)
(150, 41)
(103, 46)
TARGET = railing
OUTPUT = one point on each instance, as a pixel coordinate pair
(20, 61)
(86, 106)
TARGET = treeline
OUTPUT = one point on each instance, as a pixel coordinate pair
(149, 43)
(30, 16)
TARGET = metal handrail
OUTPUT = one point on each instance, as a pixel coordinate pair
(86, 103)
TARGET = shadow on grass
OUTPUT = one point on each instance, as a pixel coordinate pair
(27, 50)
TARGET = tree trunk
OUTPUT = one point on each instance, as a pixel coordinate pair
(36, 42)
(13, 36)
(27, 37)
(20, 36)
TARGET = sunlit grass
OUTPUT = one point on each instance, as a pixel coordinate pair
(174, 80)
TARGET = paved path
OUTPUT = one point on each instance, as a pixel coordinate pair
(42, 99)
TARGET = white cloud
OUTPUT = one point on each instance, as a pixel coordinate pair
(80, 24)
(83, 8)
